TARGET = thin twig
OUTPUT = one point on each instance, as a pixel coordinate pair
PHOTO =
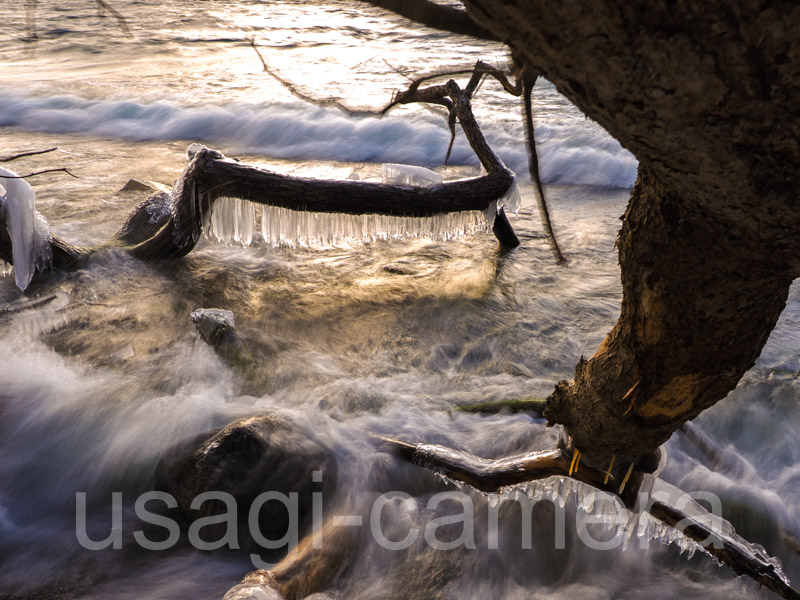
(67, 171)
(430, 109)
(24, 154)
(253, 46)
(30, 20)
(479, 70)
(533, 168)
(322, 102)
(123, 24)
(396, 70)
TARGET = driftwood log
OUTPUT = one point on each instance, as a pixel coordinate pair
(210, 176)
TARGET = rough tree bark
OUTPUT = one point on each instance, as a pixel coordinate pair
(704, 95)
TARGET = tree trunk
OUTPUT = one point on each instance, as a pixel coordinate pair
(699, 302)
(704, 95)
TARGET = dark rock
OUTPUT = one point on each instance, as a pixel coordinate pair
(398, 268)
(216, 326)
(134, 185)
(146, 219)
(248, 457)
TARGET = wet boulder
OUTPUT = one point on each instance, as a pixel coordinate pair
(247, 458)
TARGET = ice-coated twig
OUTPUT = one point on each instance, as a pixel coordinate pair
(492, 475)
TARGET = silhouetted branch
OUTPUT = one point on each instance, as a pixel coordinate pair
(437, 16)
(24, 154)
(123, 24)
(322, 102)
(533, 168)
(41, 173)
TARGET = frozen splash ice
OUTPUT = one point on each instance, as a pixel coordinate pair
(28, 230)
(511, 201)
(284, 227)
(638, 528)
(409, 175)
(232, 221)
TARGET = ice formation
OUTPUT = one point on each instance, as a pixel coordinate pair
(284, 227)
(511, 201)
(232, 220)
(409, 175)
(640, 527)
(28, 230)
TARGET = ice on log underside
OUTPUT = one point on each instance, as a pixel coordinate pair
(216, 195)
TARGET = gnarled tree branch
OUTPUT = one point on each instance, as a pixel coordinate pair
(436, 16)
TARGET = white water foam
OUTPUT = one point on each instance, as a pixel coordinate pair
(572, 151)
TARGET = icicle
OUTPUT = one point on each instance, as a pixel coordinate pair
(233, 221)
(284, 227)
(244, 222)
(28, 230)
(410, 175)
(5, 268)
(511, 201)
(44, 251)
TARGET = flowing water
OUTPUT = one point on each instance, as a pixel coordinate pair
(106, 375)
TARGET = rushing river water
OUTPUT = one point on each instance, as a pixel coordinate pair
(97, 384)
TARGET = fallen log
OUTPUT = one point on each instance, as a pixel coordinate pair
(741, 556)
(169, 225)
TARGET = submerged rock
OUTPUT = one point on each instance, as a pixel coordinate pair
(258, 585)
(134, 185)
(146, 219)
(216, 326)
(247, 458)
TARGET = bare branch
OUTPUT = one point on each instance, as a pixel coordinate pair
(322, 102)
(437, 16)
(396, 70)
(492, 475)
(123, 24)
(252, 41)
(533, 168)
(24, 154)
(731, 550)
(65, 170)
(480, 70)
